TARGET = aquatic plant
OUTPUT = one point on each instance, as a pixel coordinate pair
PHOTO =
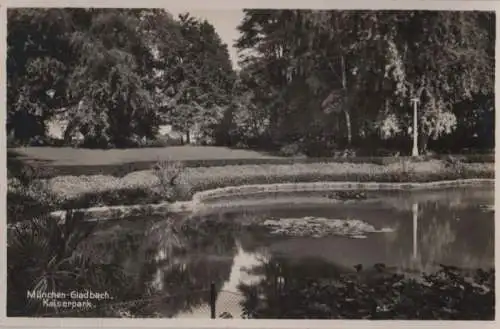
(319, 227)
(44, 256)
(447, 294)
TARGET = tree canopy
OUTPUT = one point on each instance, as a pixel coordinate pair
(354, 73)
(319, 79)
(114, 74)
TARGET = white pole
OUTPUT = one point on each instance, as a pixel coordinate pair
(415, 127)
(415, 230)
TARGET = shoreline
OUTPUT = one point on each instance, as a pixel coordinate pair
(199, 198)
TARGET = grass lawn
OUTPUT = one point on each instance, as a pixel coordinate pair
(67, 156)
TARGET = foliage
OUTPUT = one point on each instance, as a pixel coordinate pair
(27, 196)
(448, 294)
(180, 249)
(111, 74)
(44, 256)
(26, 201)
(290, 150)
(162, 141)
(141, 187)
(353, 73)
(169, 175)
(388, 126)
(323, 79)
(206, 76)
(39, 60)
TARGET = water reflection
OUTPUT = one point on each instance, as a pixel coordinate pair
(443, 233)
(180, 257)
(170, 264)
(229, 298)
(414, 209)
(324, 290)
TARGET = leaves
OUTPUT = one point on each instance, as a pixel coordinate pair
(364, 67)
(121, 71)
(449, 293)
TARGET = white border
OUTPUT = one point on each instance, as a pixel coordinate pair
(297, 4)
(219, 5)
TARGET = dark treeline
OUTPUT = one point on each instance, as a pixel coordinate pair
(115, 75)
(310, 82)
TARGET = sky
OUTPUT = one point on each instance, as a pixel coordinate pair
(225, 22)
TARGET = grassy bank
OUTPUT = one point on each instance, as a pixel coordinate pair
(53, 162)
(143, 186)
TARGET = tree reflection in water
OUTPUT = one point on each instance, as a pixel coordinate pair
(176, 257)
(180, 257)
(327, 291)
(442, 235)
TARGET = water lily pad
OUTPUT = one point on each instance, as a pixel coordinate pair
(320, 226)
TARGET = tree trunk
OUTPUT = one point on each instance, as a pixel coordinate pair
(188, 137)
(345, 105)
(424, 141)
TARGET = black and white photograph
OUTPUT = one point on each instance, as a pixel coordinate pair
(252, 163)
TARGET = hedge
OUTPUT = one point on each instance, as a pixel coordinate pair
(138, 189)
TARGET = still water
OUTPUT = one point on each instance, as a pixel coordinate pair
(453, 226)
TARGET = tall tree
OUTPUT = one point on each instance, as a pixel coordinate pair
(109, 82)
(444, 58)
(203, 74)
(39, 61)
(368, 65)
(114, 74)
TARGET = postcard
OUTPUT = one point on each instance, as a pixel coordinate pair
(249, 164)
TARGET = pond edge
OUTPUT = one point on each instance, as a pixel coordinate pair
(117, 212)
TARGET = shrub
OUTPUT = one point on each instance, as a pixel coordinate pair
(138, 187)
(169, 175)
(125, 196)
(162, 141)
(484, 158)
(12, 141)
(46, 255)
(27, 200)
(291, 150)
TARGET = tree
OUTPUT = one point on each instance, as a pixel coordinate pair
(448, 61)
(89, 64)
(114, 74)
(115, 104)
(39, 61)
(204, 76)
(366, 66)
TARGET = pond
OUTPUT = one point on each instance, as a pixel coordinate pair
(414, 231)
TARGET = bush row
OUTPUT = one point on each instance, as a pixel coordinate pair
(120, 170)
(401, 176)
(138, 188)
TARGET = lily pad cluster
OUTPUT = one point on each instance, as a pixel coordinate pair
(347, 195)
(319, 227)
(448, 294)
